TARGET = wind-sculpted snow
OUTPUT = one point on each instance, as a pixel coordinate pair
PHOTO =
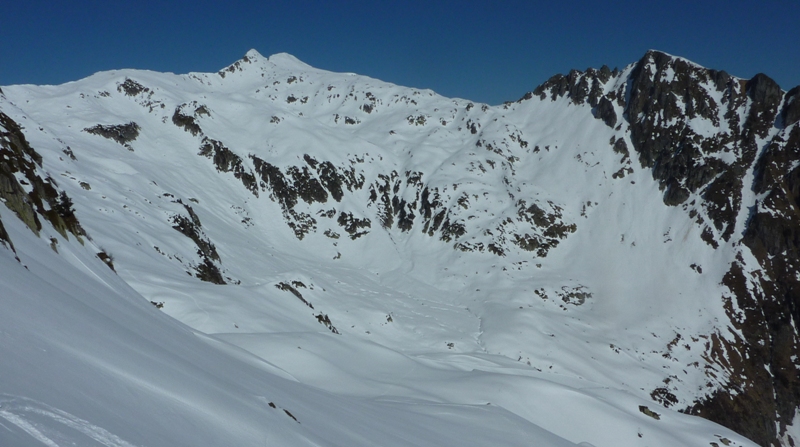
(566, 268)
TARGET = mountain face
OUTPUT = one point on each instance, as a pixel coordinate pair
(595, 262)
(724, 150)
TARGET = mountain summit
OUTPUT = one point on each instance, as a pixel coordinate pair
(279, 252)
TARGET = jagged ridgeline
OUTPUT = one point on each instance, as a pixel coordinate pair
(738, 176)
(538, 192)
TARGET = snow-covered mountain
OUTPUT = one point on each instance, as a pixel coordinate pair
(277, 254)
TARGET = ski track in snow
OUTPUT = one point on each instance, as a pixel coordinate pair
(27, 428)
(22, 412)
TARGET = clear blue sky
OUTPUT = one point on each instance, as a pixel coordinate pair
(488, 51)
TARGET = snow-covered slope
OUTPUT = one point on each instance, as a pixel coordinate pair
(389, 266)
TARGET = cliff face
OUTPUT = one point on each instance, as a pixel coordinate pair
(27, 190)
(725, 150)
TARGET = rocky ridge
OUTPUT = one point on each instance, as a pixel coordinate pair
(737, 177)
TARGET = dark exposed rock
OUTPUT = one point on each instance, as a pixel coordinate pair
(747, 402)
(452, 230)
(382, 189)
(286, 189)
(226, 161)
(108, 260)
(773, 229)
(131, 87)
(763, 386)
(664, 94)
(581, 87)
(308, 187)
(390, 189)
(273, 179)
(187, 122)
(353, 225)
(192, 230)
(766, 96)
(5, 239)
(121, 133)
(331, 179)
(578, 87)
(556, 86)
(763, 90)
(621, 147)
(300, 223)
(664, 396)
(549, 225)
(721, 79)
(325, 320)
(18, 157)
(525, 97)
(191, 227)
(286, 287)
(647, 411)
(675, 194)
(723, 201)
(209, 272)
(605, 111)
(234, 67)
(773, 237)
(791, 107)
(68, 152)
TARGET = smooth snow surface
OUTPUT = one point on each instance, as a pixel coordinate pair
(436, 346)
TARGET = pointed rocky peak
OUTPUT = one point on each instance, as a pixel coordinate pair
(660, 60)
(766, 96)
(761, 88)
(253, 55)
(660, 82)
(658, 65)
(281, 61)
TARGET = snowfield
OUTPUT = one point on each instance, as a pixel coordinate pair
(551, 301)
